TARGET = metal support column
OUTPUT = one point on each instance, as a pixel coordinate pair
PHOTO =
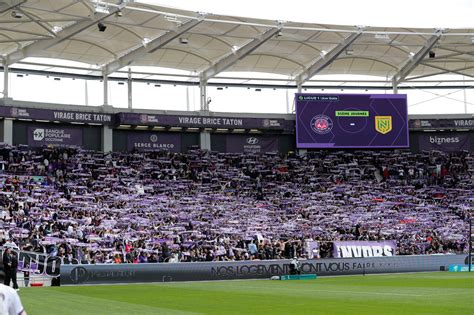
(288, 109)
(464, 94)
(203, 94)
(7, 125)
(107, 139)
(129, 86)
(394, 85)
(5, 80)
(205, 140)
(188, 106)
(86, 93)
(105, 79)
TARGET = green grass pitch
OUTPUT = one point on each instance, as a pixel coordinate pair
(417, 293)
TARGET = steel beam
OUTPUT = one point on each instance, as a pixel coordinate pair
(455, 71)
(238, 54)
(414, 61)
(151, 46)
(37, 22)
(32, 49)
(325, 60)
(6, 5)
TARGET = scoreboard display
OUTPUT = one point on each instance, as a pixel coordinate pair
(351, 120)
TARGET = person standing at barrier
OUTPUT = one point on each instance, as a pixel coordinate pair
(26, 275)
(295, 266)
(10, 303)
(10, 265)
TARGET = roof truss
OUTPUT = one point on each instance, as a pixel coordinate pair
(67, 33)
(325, 60)
(414, 61)
(151, 46)
(238, 54)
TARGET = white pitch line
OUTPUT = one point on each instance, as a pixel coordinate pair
(251, 279)
(364, 292)
(340, 291)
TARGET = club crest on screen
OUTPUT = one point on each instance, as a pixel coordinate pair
(383, 124)
(321, 124)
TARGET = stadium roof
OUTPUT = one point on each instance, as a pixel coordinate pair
(206, 45)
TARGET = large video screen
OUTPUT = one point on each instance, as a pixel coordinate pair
(351, 120)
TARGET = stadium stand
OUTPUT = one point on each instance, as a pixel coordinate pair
(91, 207)
(159, 160)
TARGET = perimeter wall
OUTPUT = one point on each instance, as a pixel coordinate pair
(198, 271)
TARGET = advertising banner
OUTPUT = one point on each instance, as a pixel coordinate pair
(205, 121)
(264, 269)
(251, 144)
(356, 249)
(445, 142)
(460, 268)
(210, 121)
(153, 141)
(56, 115)
(460, 123)
(45, 136)
(351, 121)
(147, 119)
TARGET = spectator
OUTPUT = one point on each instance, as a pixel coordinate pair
(10, 265)
(206, 206)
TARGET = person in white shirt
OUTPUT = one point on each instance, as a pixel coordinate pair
(10, 303)
(295, 266)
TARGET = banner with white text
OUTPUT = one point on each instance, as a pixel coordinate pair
(362, 249)
(59, 136)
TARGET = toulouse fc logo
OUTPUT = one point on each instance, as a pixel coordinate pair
(321, 124)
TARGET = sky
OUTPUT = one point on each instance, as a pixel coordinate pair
(403, 13)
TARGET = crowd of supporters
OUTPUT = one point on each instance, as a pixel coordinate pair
(91, 207)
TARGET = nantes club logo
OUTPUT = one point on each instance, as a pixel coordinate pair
(383, 124)
(321, 124)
